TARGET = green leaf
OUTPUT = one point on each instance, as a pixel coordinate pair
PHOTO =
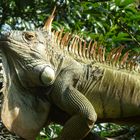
(121, 37)
(123, 3)
(135, 17)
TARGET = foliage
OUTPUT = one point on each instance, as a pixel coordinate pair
(50, 132)
(103, 130)
(113, 130)
(111, 22)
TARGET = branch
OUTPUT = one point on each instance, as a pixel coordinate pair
(129, 32)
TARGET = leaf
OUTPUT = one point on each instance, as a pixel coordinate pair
(123, 3)
(121, 37)
(135, 17)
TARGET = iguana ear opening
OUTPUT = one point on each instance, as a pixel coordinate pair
(48, 23)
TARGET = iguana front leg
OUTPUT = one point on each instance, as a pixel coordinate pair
(62, 117)
(78, 106)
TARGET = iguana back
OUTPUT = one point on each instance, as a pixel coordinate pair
(110, 80)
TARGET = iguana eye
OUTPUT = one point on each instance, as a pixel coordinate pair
(29, 36)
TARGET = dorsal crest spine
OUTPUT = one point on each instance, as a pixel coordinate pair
(80, 49)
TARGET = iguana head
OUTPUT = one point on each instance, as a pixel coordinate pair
(25, 53)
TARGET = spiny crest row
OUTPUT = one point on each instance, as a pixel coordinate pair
(79, 48)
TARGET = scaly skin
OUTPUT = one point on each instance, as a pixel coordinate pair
(40, 71)
(106, 95)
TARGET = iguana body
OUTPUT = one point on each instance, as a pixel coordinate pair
(44, 68)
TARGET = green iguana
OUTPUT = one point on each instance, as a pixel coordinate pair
(45, 68)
